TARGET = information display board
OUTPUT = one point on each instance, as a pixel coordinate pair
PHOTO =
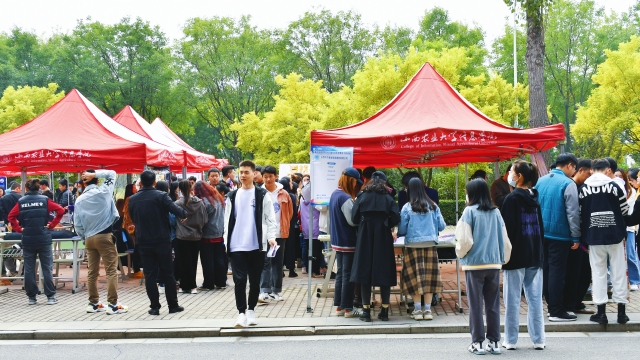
(327, 164)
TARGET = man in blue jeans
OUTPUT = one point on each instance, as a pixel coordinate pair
(30, 216)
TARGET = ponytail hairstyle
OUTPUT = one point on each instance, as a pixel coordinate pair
(33, 185)
(528, 171)
(185, 189)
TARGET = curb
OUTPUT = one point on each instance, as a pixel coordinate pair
(290, 331)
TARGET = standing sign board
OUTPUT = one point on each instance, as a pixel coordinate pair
(327, 164)
(3, 182)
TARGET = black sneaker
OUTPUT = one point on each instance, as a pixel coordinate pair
(154, 311)
(563, 317)
(292, 274)
(599, 318)
(384, 314)
(622, 317)
(176, 309)
(365, 315)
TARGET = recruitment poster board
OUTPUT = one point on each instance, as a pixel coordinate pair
(327, 164)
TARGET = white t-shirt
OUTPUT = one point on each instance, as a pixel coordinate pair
(276, 209)
(245, 236)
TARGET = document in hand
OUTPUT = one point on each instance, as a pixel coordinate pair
(273, 250)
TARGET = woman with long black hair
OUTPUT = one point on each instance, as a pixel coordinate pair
(212, 249)
(374, 262)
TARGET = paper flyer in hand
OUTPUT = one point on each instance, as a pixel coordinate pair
(273, 250)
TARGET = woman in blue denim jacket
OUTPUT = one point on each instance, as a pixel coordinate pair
(420, 223)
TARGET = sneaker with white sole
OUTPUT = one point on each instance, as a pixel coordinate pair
(634, 287)
(95, 308)
(476, 348)
(276, 297)
(539, 346)
(563, 317)
(52, 301)
(339, 312)
(251, 318)
(427, 315)
(493, 347)
(180, 291)
(118, 308)
(194, 291)
(160, 289)
(509, 346)
(33, 301)
(417, 315)
(264, 298)
(355, 312)
(242, 321)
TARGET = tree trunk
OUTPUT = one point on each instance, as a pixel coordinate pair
(535, 67)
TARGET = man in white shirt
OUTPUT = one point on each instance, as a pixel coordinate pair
(250, 228)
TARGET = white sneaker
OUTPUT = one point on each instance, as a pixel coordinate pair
(539, 346)
(160, 289)
(95, 308)
(242, 321)
(476, 348)
(180, 291)
(634, 287)
(493, 347)
(264, 298)
(117, 309)
(417, 315)
(251, 318)
(194, 291)
(427, 315)
(276, 297)
(509, 346)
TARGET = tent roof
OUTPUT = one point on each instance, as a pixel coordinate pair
(161, 127)
(428, 123)
(73, 135)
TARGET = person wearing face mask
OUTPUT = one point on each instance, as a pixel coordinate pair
(558, 198)
(523, 220)
(501, 188)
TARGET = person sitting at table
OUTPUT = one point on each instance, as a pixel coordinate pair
(420, 222)
(30, 216)
(374, 262)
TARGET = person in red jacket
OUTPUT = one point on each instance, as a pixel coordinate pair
(30, 216)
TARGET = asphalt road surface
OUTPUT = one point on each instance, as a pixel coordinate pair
(445, 346)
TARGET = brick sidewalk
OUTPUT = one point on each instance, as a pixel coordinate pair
(219, 304)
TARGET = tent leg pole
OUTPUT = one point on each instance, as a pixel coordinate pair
(496, 171)
(309, 258)
(184, 173)
(23, 180)
(466, 173)
(129, 179)
(457, 190)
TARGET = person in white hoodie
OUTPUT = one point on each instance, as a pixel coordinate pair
(249, 228)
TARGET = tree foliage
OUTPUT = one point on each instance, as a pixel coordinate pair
(21, 105)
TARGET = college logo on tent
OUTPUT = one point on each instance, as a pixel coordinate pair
(388, 142)
(203, 160)
(166, 157)
(5, 159)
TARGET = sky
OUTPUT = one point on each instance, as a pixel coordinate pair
(45, 17)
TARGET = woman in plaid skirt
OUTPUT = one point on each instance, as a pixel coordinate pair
(420, 222)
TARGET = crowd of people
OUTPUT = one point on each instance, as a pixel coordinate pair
(558, 237)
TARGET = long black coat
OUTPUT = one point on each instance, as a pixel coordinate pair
(374, 261)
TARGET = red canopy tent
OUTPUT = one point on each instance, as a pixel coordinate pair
(73, 135)
(428, 123)
(194, 160)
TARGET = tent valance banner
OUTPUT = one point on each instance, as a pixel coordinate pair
(428, 123)
(327, 164)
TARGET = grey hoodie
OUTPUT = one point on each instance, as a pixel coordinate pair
(215, 225)
(197, 218)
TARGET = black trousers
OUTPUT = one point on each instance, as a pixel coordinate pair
(317, 254)
(157, 264)
(572, 279)
(385, 294)
(187, 251)
(247, 265)
(583, 280)
(214, 264)
(291, 249)
(556, 255)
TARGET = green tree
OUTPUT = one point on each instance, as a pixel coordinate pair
(396, 40)
(230, 67)
(21, 105)
(330, 47)
(498, 99)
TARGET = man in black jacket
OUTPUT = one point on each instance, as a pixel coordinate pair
(149, 209)
(10, 200)
(603, 205)
(64, 198)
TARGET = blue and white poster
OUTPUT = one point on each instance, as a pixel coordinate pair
(327, 164)
(3, 182)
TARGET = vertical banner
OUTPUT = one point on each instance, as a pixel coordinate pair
(327, 164)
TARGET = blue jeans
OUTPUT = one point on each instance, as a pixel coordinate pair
(343, 296)
(632, 259)
(513, 280)
(45, 254)
(271, 280)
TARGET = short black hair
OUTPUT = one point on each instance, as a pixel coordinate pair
(227, 169)
(584, 164)
(63, 182)
(222, 188)
(509, 169)
(566, 159)
(368, 172)
(213, 169)
(14, 185)
(613, 164)
(147, 178)
(93, 181)
(479, 174)
(248, 163)
(601, 165)
(408, 176)
(633, 173)
(269, 170)
(174, 178)
(192, 178)
(258, 168)
(44, 182)
(33, 184)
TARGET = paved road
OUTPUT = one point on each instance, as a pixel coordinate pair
(565, 346)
